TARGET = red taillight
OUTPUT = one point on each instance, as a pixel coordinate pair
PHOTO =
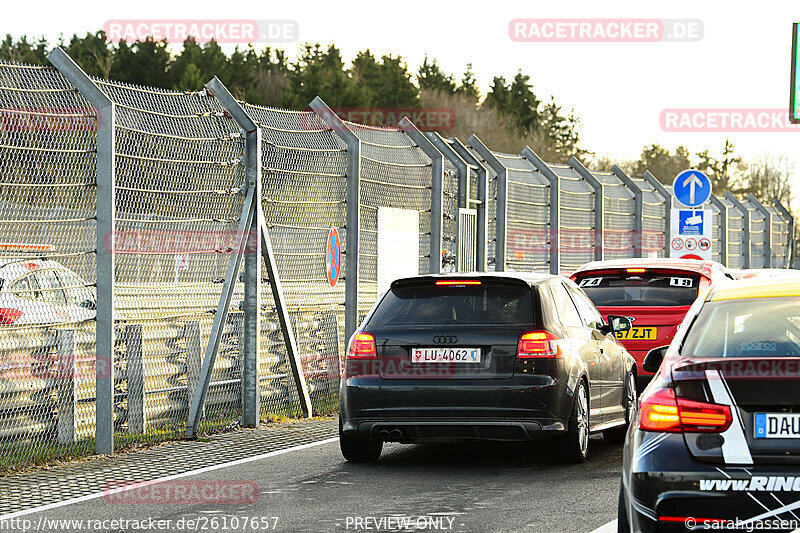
(457, 282)
(362, 346)
(538, 344)
(9, 316)
(663, 412)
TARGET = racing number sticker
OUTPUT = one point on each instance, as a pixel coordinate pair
(680, 282)
(590, 282)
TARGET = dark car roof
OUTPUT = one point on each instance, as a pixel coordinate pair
(531, 278)
(690, 265)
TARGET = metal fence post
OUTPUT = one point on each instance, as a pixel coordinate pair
(746, 245)
(251, 389)
(767, 230)
(723, 228)
(638, 208)
(790, 237)
(599, 198)
(555, 210)
(137, 415)
(106, 203)
(667, 196)
(352, 277)
(482, 179)
(437, 191)
(501, 225)
(67, 370)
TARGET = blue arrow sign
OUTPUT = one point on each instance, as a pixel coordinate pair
(692, 188)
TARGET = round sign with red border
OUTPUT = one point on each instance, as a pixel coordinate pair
(333, 257)
(691, 244)
(677, 243)
(704, 244)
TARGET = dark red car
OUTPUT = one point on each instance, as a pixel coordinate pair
(655, 292)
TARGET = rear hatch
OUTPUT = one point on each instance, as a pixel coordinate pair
(657, 299)
(764, 398)
(451, 328)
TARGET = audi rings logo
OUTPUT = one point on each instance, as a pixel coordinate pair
(445, 339)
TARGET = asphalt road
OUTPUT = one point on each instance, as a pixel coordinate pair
(481, 487)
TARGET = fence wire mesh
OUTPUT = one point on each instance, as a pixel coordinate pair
(304, 167)
(577, 238)
(48, 163)
(179, 193)
(395, 173)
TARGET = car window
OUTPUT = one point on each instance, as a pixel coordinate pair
(567, 312)
(51, 291)
(425, 303)
(587, 311)
(752, 327)
(75, 289)
(21, 288)
(640, 289)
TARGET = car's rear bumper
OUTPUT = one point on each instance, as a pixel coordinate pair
(516, 409)
(666, 489)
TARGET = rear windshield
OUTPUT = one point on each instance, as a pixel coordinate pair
(752, 327)
(487, 303)
(644, 289)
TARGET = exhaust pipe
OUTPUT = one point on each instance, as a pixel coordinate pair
(396, 434)
(384, 435)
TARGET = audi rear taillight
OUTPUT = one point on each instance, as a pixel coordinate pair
(538, 344)
(9, 316)
(362, 346)
(662, 411)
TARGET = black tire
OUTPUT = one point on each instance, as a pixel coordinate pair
(617, 435)
(622, 513)
(357, 450)
(574, 445)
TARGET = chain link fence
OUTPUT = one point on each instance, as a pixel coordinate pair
(181, 180)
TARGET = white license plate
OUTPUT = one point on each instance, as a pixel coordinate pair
(777, 426)
(446, 355)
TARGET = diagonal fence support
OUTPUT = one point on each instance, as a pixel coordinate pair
(352, 277)
(283, 316)
(501, 211)
(599, 198)
(437, 198)
(790, 237)
(106, 203)
(638, 209)
(555, 211)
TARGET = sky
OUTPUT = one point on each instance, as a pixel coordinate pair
(619, 89)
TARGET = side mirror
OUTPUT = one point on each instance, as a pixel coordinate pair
(619, 323)
(653, 358)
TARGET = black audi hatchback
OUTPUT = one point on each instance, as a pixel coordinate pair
(497, 356)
